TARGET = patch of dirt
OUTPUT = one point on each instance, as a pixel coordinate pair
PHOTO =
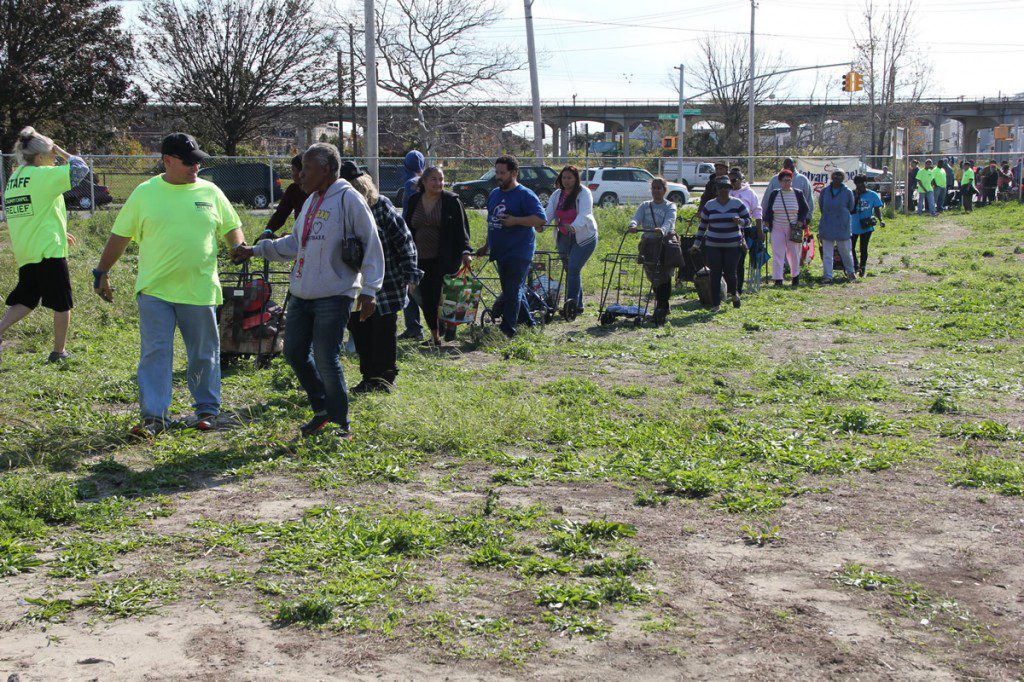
(723, 609)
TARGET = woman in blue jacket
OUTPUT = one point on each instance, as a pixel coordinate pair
(836, 203)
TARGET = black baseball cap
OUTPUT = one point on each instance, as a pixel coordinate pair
(183, 146)
(349, 171)
(722, 182)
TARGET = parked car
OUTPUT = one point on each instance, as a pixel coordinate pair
(81, 196)
(391, 182)
(695, 173)
(252, 184)
(613, 186)
(474, 193)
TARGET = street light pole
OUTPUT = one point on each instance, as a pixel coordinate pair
(341, 104)
(352, 85)
(574, 127)
(372, 153)
(750, 97)
(682, 123)
(538, 125)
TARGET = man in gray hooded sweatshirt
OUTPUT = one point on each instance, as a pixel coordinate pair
(325, 280)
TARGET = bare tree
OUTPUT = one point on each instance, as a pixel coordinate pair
(433, 53)
(724, 71)
(235, 66)
(891, 67)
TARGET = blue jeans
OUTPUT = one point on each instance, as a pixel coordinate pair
(940, 199)
(312, 344)
(574, 257)
(926, 199)
(198, 326)
(512, 274)
(411, 313)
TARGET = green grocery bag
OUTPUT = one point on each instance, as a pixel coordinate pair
(460, 297)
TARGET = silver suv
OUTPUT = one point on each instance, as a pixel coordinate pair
(613, 186)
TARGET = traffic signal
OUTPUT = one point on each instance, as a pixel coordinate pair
(853, 82)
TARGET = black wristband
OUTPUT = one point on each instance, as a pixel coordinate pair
(96, 275)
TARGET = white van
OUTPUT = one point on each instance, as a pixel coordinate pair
(695, 173)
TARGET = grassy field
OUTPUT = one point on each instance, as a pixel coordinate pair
(827, 482)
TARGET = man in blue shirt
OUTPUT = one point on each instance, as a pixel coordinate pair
(513, 213)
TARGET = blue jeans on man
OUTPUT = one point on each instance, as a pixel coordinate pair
(312, 344)
(926, 200)
(940, 199)
(513, 273)
(413, 326)
(574, 256)
(198, 326)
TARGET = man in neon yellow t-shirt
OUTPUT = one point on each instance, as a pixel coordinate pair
(176, 219)
(967, 188)
(926, 188)
(37, 221)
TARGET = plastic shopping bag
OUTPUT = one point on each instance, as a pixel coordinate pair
(460, 297)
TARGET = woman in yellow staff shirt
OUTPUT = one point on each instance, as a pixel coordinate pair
(38, 221)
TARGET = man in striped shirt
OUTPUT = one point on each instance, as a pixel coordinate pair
(720, 235)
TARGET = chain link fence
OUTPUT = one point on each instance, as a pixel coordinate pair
(257, 183)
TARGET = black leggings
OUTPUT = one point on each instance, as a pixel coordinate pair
(722, 263)
(864, 239)
(662, 293)
(430, 290)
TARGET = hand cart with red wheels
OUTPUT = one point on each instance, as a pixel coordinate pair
(251, 322)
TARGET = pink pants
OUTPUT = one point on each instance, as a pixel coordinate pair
(782, 250)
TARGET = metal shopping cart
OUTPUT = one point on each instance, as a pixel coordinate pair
(626, 284)
(251, 322)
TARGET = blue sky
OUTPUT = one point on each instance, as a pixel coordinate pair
(610, 49)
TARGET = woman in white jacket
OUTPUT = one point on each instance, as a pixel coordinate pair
(571, 209)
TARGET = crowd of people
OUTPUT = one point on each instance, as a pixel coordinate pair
(358, 260)
(934, 185)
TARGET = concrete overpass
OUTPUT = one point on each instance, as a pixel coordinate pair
(975, 115)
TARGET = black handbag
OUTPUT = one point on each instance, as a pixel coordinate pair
(352, 249)
(796, 233)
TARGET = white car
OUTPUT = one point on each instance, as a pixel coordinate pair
(613, 186)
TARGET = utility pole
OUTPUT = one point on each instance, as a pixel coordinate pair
(574, 125)
(341, 104)
(352, 85)
(372, 154)
(538, 125)
(682, 121)
(750, 96)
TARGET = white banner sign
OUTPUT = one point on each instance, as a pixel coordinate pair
(819, 170)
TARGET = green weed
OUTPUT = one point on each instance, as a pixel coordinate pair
(17, 557)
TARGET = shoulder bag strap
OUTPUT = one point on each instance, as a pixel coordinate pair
(785, 208)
